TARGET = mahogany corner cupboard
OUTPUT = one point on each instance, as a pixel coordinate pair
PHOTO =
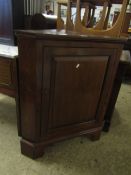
(65, 82)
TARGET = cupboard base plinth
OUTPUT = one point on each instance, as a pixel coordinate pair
(94, 136)
(32, 150)
(36, 150)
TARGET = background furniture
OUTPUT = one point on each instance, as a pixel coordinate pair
(42, 21)
(8, 70)
(124, 64)
(126, 22)
(11, 17)
(7, 75)
(100, 28)
(65, 87)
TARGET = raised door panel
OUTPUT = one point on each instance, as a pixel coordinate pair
(73, 80)
(77, 83)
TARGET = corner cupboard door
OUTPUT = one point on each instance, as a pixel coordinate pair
(73, 79)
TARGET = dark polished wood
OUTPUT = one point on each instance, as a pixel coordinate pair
(11, 17)
(9, 81)
(8, 76)
(65, 82)
(94, 136)
(40, 21)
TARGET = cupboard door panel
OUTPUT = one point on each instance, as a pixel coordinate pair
(73, 80)
(75, 97)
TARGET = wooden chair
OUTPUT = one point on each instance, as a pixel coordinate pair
(87, 18)
(101, 27)
(102, 24)
(114, 31)
(60, 22)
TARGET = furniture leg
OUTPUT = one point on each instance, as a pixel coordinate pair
(94, 136)
(32, 150)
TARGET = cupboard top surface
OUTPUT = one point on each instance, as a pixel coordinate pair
(62, 34)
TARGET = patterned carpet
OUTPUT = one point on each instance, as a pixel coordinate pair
(111, 155)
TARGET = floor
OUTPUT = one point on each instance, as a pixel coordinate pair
(111, 155)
